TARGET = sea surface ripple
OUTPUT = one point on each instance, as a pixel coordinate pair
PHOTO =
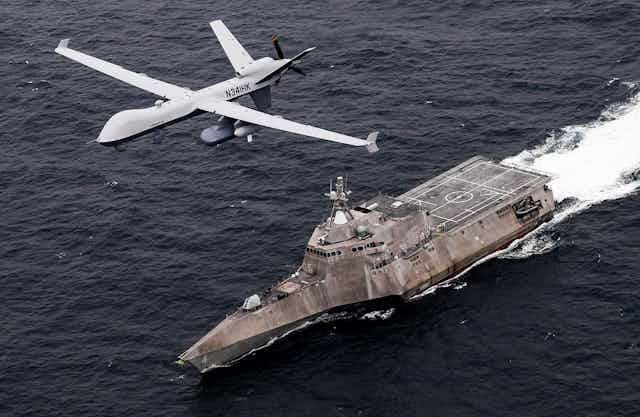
(112, 263)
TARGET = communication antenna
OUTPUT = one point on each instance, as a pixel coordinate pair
(339, 198)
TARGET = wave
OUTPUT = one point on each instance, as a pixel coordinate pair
(590, 163)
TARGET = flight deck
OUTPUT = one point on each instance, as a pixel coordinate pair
(459, 194)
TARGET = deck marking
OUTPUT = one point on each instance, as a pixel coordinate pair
(419, 201)
(486, 186)
(459, 198)
(477, 207)
(445, 204)
(443, 218)
(525, 184)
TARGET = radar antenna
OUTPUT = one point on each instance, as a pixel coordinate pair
(340, 213)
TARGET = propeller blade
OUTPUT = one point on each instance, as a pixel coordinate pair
(299, 71)
(276, 44)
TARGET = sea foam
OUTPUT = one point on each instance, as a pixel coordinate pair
(590, 163)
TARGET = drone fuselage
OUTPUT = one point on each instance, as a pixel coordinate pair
(130, 124)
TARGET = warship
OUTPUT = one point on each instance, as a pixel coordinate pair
(386, 248)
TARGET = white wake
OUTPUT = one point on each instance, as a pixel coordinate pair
(590, 163)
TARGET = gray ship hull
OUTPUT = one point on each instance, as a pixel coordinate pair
(387, 247)
(229, 354)
(237, 351)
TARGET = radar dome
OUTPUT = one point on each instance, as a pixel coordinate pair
(252, 302)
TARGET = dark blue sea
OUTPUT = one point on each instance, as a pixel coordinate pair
(113, 263)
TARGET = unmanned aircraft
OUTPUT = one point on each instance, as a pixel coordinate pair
(252, 77)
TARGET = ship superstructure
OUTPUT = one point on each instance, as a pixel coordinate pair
(387, 247)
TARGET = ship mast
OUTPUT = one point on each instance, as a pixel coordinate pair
(340, 213)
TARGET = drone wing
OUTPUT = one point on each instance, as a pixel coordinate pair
(238, 56)
(136, 79)
(238, 112)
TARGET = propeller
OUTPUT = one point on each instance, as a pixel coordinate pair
(294, 67)
(276, 44)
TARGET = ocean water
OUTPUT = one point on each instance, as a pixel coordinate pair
(112, 263)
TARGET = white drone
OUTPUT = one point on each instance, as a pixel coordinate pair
(253, 77)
